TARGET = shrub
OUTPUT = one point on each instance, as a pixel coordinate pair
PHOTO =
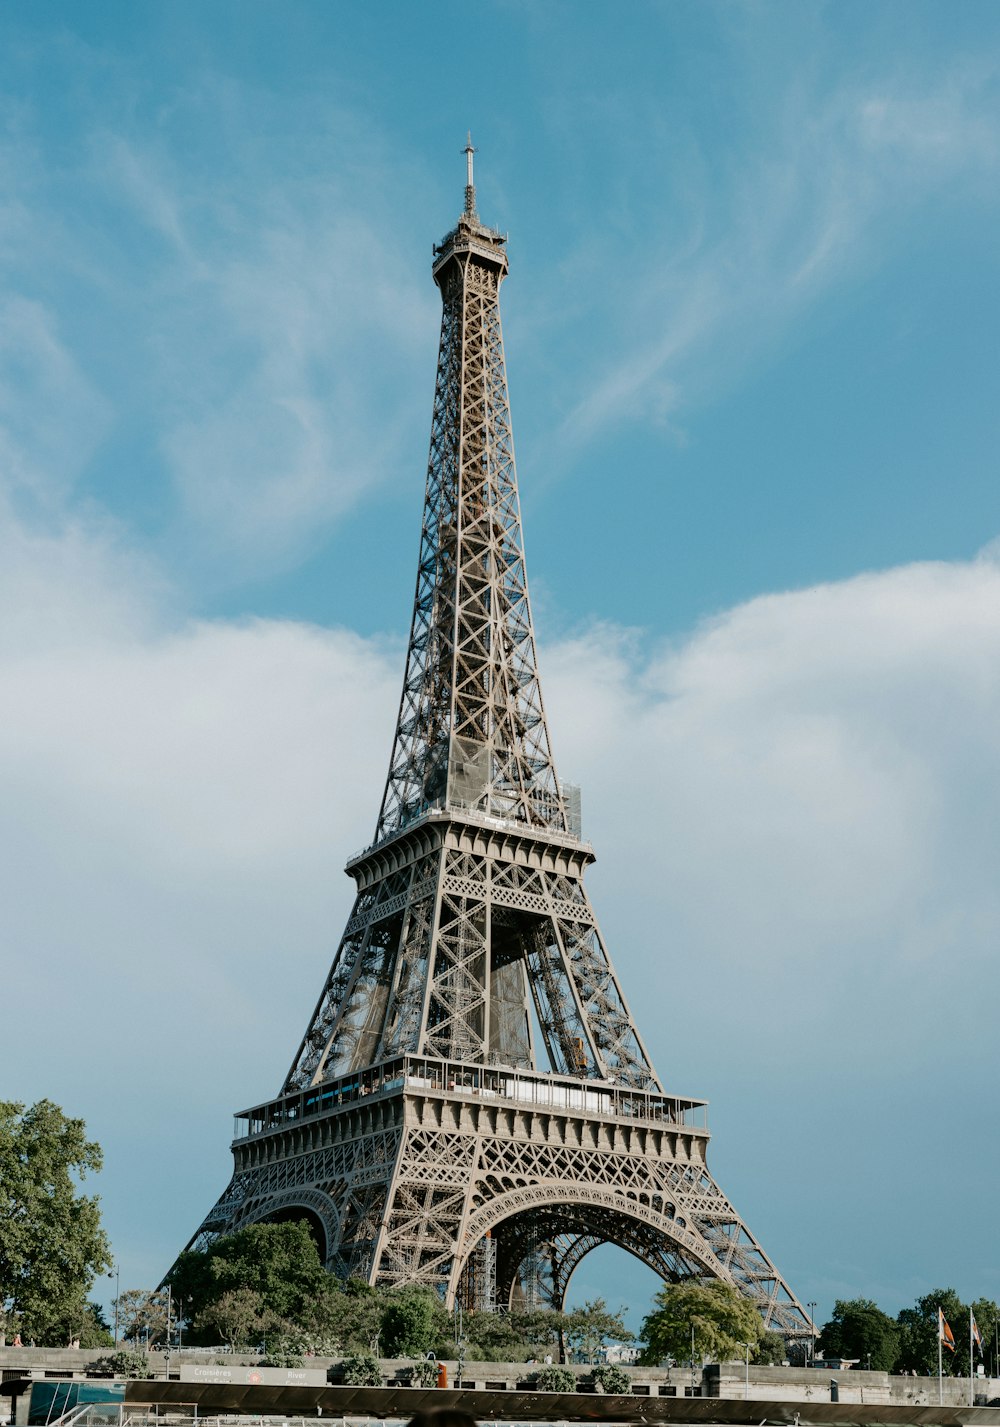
(611, 1379)
(553, 1379)
(410, 1323)
(125, 1363)
(278, 1359)
(423, 1373)
(362, 1370)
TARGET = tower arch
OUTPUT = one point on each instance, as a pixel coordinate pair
(472, 1067)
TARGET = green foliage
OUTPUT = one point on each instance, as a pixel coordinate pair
(497, 1335)
(125, 1363)
(362, 1370)
(423, 1373)
(278, 1359)
(93, 1331)
(588, 1328)
(142, 1315)
(361, 1308)
(540, 1330)
(859, 1329)
(52, 1245)
(235, 1318)
(341, 1318)
(553, 1379)
(290, 1342)
(918, 1332)
(987, 1319)
(611, 1379)
(771, 1350)
(410, 1323)
(278, 1262)
(722, 1319)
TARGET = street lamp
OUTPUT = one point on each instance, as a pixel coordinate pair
(116, 1275)
(811, 1305)
(746, 1380)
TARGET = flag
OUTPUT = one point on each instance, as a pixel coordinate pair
(945, 1335)
(977, 1337)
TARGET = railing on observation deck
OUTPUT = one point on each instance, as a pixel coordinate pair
(494, 1083)
(467, 812)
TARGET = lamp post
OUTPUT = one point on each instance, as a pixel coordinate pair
(116, 1275)
(746, 1379)
(166, 1361)
(811, 1305)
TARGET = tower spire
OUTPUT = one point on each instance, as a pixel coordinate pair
(470, 184)
(472, 1108)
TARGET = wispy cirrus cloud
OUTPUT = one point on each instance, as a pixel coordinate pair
(828, 193)
(237, 337)
(52, 417)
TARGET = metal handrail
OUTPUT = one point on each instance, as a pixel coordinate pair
(433, 811)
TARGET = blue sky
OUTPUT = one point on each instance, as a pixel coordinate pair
(751, 338)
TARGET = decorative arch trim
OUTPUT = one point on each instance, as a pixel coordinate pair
(516, 1201)
(312, 1201)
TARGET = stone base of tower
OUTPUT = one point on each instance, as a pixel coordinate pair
(489, 1185)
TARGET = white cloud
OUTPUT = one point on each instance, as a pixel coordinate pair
(827, 192)
(808, 787)
(803, 793)
(248, 330)
(280, 309)
(313, 314)
(51, 417)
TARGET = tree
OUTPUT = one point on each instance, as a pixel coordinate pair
(362, 1370)
(772, 1349)
(423, 1373)
(142, 1315)
(490, 1337)
(539, 1329)
(52, 1245)
(612, 1380)
(279, 1358)
(589, 1328)
(237, 1317)
(279, 1262)
(722, 1320)
(859, 1329)
(81, 1323)
(410, 1325)
(126, 1362)
(362, 1310)
(918, 1332)
(93, 1331)
(987, 1320)
(553, 1379)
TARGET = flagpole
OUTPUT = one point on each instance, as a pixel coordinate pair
(940, 1365)
(971, 1392)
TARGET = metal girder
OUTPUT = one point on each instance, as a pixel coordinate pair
(472, 1107)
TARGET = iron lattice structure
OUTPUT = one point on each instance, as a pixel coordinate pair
(472, 1107)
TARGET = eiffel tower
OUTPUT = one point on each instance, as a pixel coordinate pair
(472, 1107)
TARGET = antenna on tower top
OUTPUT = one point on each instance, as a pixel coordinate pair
(470, 185)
